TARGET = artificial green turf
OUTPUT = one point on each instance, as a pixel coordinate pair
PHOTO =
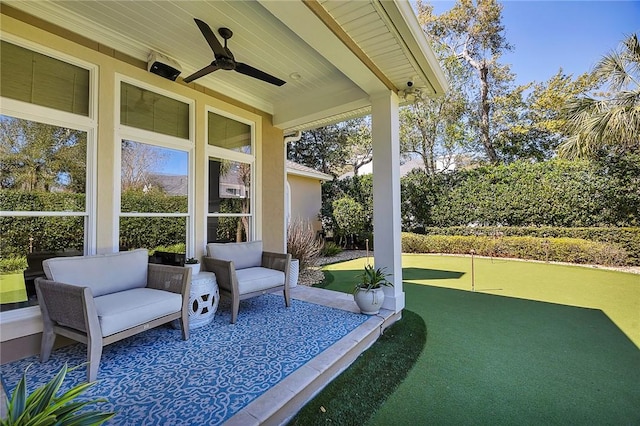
(354, 395)
(617, 294)
(506, 360)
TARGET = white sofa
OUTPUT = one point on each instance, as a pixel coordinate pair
(98, 300)
(244, 270)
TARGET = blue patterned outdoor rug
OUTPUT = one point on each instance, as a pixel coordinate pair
(156, 378)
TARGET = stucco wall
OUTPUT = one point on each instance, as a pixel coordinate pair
(306, 199)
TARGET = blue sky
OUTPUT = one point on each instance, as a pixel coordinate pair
(574, 35)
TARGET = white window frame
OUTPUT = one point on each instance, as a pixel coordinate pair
(124, 132)
(27, 317)
(213, 151)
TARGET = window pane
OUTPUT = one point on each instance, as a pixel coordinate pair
(228, 229)
(39, 79)
(153, 179)
(229, 134)
(147, 110)
(42, 167)
(25, 243)
(229, 186)
(152, 232)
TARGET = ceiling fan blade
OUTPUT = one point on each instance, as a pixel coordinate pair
(211, 38)
(204, 71)
(256, 73)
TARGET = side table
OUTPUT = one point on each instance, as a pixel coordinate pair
(203, 300)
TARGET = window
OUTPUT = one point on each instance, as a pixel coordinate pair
(154, 171)
(230, 210)
(39, 79)
(47, 137)
(227, 133)
(147, 110)
(43, 197)
(154, 196)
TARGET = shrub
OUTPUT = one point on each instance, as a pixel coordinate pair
(625, 238)
(331, 249)
(302, 243)
(13, 264)
(572, 250)
(173, 248)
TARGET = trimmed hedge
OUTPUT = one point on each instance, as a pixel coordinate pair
(626, 238)
(67, 232)
(572, 250)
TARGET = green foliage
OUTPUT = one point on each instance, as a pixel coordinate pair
(348, 215)
(173, 248)
(552, 193)
(41, 157)
(137, 232)
(67, 232)
(626, 238)
(329, 248)
(473, 33)
(153, 202)
(13, 264)
(43, 407)
(359, 189)
(608, 119)
(371, 278)
(572, 250)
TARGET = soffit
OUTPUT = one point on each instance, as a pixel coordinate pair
(283, 38)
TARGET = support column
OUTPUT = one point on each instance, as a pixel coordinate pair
(387, 247)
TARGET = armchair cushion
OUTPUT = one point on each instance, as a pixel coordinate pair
(243, 255)
(130, 308)
(258, 279)
(103, 274)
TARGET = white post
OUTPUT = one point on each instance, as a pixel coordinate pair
(387, 247)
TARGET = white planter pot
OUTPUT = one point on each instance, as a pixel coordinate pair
(369, 301)
(195, 268)
(294, 272)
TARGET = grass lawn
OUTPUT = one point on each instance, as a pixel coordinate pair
(617, 294)
(542, 355)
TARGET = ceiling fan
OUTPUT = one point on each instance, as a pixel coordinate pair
(223, 58)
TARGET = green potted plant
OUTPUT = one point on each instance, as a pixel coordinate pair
(194, 264)
(367, 292)
(43, 407)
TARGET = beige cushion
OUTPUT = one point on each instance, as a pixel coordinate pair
(243, 255)
(103, 274)
(126, 309)
(258, 279)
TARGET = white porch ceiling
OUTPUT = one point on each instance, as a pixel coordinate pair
(282, 38)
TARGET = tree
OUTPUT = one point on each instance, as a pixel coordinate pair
(435, 128)
(336, 148)
(139, 161)
(473, 32)
(41, 157)
(528, 121)
(348, 215)
(358, 146)
(321, 149)
(609, 120)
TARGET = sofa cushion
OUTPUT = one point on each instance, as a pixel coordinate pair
(126, 309)
(103, 274)
(243, 255)
(258, 279)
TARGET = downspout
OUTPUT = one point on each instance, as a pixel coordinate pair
(287, 199)
(293, 138)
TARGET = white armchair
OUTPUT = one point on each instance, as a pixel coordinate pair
(244, 270)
